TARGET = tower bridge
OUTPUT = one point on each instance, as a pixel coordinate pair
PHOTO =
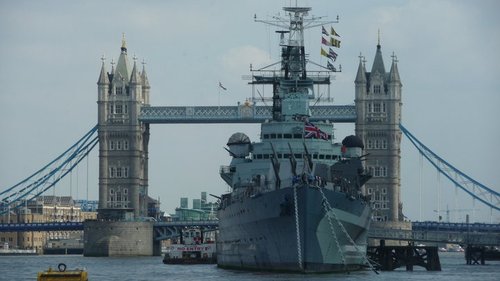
(124, 116)
(123, 131)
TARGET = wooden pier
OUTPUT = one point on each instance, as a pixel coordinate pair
(480, 254)
(389, 258)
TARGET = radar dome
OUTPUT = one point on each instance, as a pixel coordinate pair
(239, 145)
(353, 141)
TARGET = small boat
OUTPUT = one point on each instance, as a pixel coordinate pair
(62, 274)
(193, 248)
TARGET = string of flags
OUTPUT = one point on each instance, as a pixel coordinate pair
(331, 41)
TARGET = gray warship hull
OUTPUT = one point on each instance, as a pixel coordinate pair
(262, 233)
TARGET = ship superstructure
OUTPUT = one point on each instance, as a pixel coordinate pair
(295, 202)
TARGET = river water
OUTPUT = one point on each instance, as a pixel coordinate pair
(152, 268)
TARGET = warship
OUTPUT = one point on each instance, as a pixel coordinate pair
(295, 201)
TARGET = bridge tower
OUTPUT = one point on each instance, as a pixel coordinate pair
(123, 165)
(123, 140)
(378, 106)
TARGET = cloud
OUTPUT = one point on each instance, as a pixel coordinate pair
(239, 59)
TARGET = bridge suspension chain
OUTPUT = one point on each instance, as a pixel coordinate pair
(478, 191)
(45, 178)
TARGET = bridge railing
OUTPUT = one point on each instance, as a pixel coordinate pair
(44, 226)
(198, 223)
(475, 238)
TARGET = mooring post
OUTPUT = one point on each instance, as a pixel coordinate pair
(433, 263)
(409, 257)
(482, 252)
(468, 255)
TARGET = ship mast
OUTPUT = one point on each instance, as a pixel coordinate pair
(292, 88)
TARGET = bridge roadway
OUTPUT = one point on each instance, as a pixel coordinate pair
(42, 226)
(243, 113)
(454, 233)
(437, 236)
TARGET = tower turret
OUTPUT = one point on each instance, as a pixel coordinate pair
(360, 92)
(135, 88)
(394, 72)
(135, 78)
(361, 75)
(103, 75)
(145, 84)
(102, 92)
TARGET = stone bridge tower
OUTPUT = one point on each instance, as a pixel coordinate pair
(123, 140)
(378, 106)
(123, 165)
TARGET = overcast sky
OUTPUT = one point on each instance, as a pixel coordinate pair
(50, 58)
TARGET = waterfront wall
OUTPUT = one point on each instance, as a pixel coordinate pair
(119, 238)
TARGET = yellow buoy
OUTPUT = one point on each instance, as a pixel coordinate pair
(62, 274)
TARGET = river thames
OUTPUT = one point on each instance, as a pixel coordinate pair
(152, 268)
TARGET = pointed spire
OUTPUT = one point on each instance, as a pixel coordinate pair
(124, 44)
(103, 77)
(122, 71)
(144, 76)
(394, 72)
(378, 41)
(378, 62)
(361, 76)
(134, 77)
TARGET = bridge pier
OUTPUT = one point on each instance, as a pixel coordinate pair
(480, 254)
(474, 255)
(156, 247)
(118, 238)
(392, 257)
